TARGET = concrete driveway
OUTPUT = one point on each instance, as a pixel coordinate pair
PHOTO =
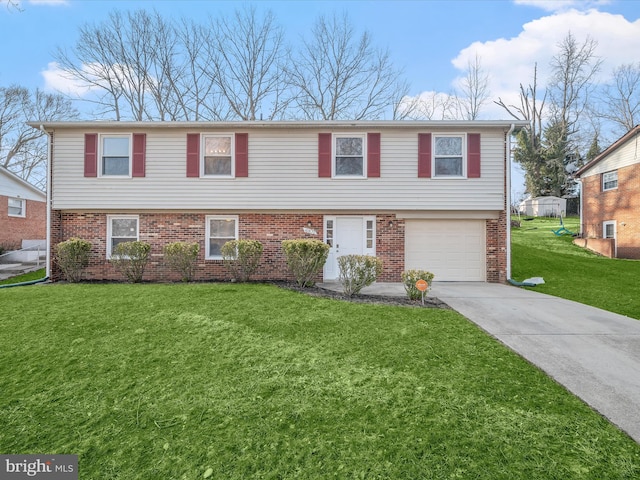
(595, 354)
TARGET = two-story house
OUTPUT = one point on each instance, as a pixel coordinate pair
(430, 195)
(610, 199)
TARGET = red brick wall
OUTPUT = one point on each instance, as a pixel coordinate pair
(621, 204)
(496, 231)
(15, 229)
(161, 228)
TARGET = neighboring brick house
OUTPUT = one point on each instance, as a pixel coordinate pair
(610, 199)
(23, 213)
(428, 195)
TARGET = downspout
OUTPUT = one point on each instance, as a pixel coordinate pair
(507, 146)
(48, 257)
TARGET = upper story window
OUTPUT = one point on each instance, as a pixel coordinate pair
(16, 207)
(121, 228)
(218, 154)
(220, 230)
(448, 155)
(349, 156)
(115, 157)
(609, 181)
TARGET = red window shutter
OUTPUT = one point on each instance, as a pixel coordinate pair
(139, 154)
(424, 155)
(473, 155)
(193, 154)
(91, 155)
(324, 155)
(242, 154)
(373, 155)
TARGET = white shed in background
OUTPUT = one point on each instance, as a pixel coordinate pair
(544, 207)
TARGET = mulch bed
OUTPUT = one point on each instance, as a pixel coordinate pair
(429, 302)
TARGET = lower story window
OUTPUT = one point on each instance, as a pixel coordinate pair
(121, 228)
(609, 229)
(16, 207)
(220, 230)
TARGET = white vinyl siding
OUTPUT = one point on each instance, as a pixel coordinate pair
(624, 156)
(284, 175)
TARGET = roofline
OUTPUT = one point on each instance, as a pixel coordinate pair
(290, 124)
(611, 148)
(21, 181)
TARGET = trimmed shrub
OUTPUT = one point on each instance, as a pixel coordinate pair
(72, 256)
(409, 279)
(357, 272)
(305, 258)
(181, 257)
(130, 259)
(241, 257)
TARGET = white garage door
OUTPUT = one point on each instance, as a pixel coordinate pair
(454, 250)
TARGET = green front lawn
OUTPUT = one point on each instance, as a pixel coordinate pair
(25, 277)
(232, 381)
(572, 272)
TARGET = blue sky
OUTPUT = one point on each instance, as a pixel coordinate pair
(432, 40)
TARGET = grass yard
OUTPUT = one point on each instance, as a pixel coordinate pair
(231, 381)
(25, 277)
(572, 272)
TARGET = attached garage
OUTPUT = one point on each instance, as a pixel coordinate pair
(453, 250)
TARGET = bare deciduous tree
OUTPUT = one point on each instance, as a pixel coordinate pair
(22, 148)
(621, 98)
(247, 57)
(474, 90)
(339, 75)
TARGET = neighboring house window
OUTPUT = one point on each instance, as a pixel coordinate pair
(217, 157)
(609, 229)
(349, 156)
(448, 155)
(17, 207)
(610, 180)
(121, 228)
(220, 229)
(115, 158)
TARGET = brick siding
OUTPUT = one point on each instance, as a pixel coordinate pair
(15, 229)
(160, 229)
(621, 204)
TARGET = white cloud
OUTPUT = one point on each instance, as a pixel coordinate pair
(559, 5)
(56, 80)
(510, 61)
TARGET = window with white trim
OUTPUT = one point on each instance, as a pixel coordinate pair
(448, 156)
(115, 155)
(120, 229)
(609, 229)
(609, 181)
(17, 207)
(220, 230)
(349, 156)
(217, 155)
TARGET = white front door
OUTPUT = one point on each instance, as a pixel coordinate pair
(347, 236)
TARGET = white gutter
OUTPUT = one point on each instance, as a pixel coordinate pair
(507, 146)
(48, 258)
